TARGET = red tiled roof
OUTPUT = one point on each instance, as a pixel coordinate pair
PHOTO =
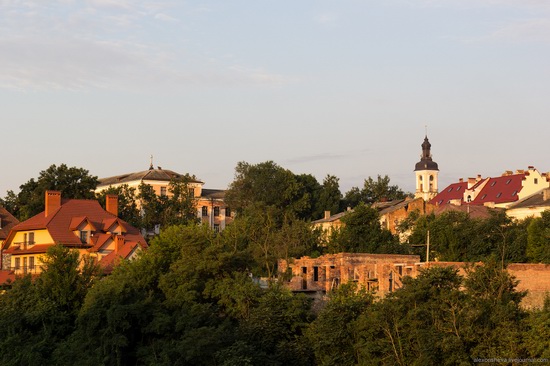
(500, 190)
(6, 277)
(112, 259)
(39, 248)
(59, 222)
(454, 191)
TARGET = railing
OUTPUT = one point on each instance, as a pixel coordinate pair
(26, 269)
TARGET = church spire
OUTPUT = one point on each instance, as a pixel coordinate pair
(426, 171)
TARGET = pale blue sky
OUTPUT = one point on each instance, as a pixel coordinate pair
(323, 87)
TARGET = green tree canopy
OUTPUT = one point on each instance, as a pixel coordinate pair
(374, 191)
(362, 233)
(73, 182)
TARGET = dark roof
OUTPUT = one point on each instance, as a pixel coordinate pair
(534, 200)
(474, 211)
(332, 218)
(387, 206)
(151, 174)
(213, 193)
(426, 162)
(8, 221)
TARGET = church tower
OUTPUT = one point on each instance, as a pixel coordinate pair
(426, 171)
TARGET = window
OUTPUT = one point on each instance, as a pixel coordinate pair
(420, 178)
(450, 189)
(216, 211)
(469, 199)
(315, 273)
(499, 194)
(431, 178)
(217, 228)
(536, 181)
(17, 263)
(191, 192)
(25, 264)
(204, 211)
(84, 237)
(493, 184)
(458, 188)
(483, 197)
(514, 193)
(31, 263)
(25, 239)
(31, 238)
(227, 212)
(508, 181)
(163, 191)
(304, 270)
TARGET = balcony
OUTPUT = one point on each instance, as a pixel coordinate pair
(23, 270)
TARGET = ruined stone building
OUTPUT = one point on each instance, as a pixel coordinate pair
(384, 273)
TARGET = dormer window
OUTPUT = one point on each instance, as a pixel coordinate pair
(84, 236)
(31, 238)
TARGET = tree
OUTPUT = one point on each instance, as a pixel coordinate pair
(422, 323)
(127, 203)
(374, 191)
(269, 185)
(330, 198)
(362, 233)
(71, 181)
(36, 316)
(538, 239)
(332, 334)
(178, 207)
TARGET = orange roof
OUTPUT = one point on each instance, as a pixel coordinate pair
(40, 248)
(113, 258)
(60, 223)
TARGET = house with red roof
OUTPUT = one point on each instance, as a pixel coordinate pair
(500, 191)
(78, 224)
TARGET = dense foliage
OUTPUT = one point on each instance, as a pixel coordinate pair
(189, 300)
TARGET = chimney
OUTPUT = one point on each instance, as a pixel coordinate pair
(111, 204)
(327, 214)
(460, 180)
(478, 178)
(52, 202)
(471, 182)
(119, 243)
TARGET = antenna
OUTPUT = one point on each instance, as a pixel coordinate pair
(151, 163)
(426, 129)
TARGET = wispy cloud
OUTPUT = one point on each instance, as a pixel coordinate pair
(97, 44)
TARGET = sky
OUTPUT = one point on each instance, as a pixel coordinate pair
(321, 87)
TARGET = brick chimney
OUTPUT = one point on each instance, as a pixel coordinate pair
(111, 204)
(52, 202)
(119, 242)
